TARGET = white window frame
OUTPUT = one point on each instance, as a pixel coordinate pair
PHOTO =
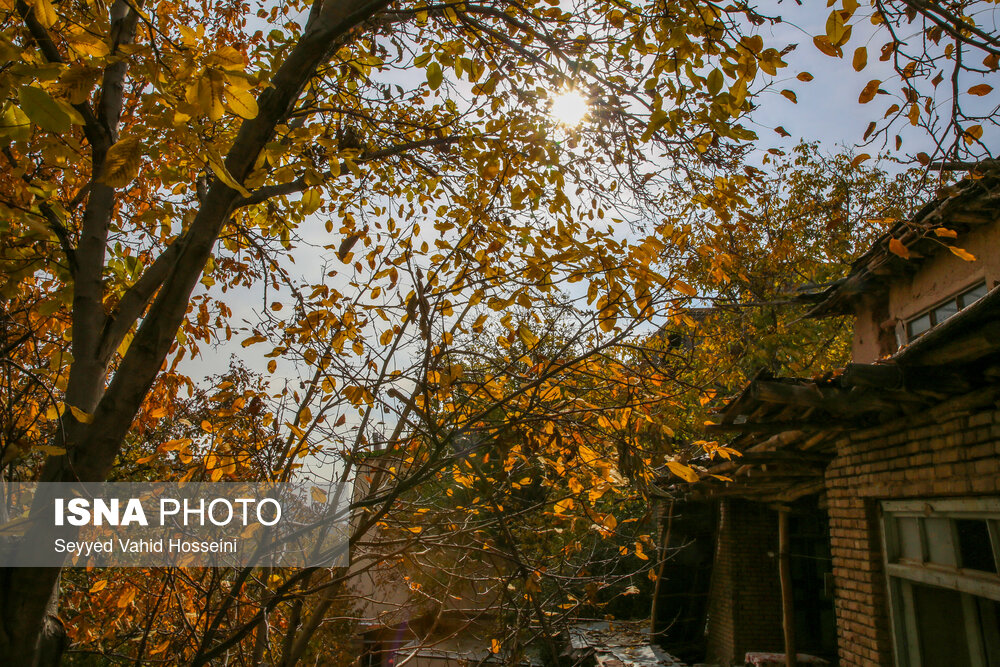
(902, 573)
(959, 299)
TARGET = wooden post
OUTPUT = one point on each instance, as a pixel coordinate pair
(785, 575)
(654, 614)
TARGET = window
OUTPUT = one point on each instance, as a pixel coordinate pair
(941, 560)
(917, 326)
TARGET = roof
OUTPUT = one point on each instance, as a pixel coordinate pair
(971, 202)
(618, 644)
(786, 428)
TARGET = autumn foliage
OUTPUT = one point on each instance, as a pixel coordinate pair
(491, 318)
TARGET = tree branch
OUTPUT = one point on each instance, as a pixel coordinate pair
(262, 194)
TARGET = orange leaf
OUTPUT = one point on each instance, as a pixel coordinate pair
(896, 247)
(823, 44)
(964, 254)
(859, 159)
(869, 91)
(946, 233)
(126, 598)
(980, 90)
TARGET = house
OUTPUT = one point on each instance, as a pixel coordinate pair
(862, 522)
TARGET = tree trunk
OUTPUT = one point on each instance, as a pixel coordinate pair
(30, 632)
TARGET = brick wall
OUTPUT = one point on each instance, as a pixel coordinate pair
(946, 452)
(745, 599)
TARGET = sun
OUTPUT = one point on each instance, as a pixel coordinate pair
(569, 107)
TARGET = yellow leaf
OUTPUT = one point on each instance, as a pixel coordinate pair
(682, 471)
(219, 168)
(964, 254)
(860, 58)
(171, 445)
(228, 59)
(897, 248)
(45, 13)
(80, 415)
(43, 110)
(318, 494)
(527, 336)
(99, 586)
(386, 337)
(494, 646)
(684, 288)
(241, 102)
(434, 75)
(51, 450)
(122, 162)
(974, 133)
(564, 506)
(639, 552)
(835, 26)
(715, 81)
(15, 123)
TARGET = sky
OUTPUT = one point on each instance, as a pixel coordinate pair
(827, 111)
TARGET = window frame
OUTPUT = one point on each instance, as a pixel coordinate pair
(958, 299)
(903, 573)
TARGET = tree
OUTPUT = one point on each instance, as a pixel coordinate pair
(160, 156)
(925, 44)
(792, 230)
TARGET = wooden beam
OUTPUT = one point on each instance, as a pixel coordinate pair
(835, 401)
(970, 347)
(793, 493)
(785, 456)
(787, 603)
(778, 427)
(880, 376)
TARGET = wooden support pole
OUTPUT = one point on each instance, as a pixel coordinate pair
(785, 575)
(654, 614)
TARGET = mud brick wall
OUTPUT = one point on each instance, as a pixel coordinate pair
(745, 599)
(953, 451)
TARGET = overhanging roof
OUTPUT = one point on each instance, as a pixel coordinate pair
(786, 428)
(971, 202)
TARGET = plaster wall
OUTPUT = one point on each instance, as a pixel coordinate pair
(879, 317)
